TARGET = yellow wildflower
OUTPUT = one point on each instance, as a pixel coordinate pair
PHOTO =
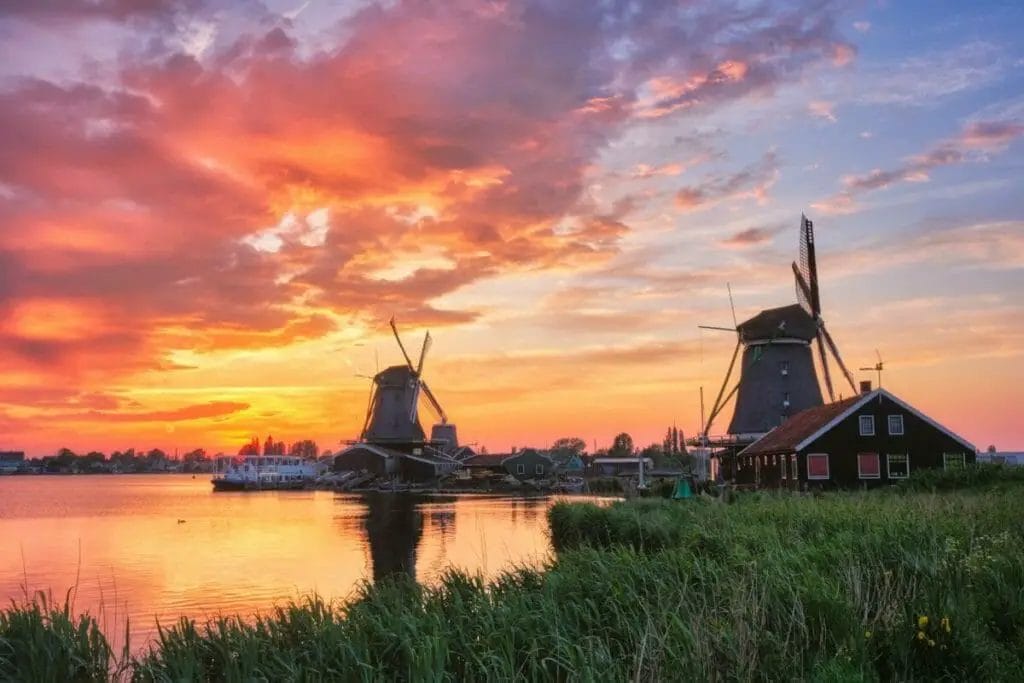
(922, 621)
(931, 643)
(945, 624)
(867, 634)
(920, 635)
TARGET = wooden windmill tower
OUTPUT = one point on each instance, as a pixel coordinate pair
(777, 375)
(392, 418)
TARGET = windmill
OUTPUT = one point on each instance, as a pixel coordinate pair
(777, 375)
(877, 367)
(393, 414)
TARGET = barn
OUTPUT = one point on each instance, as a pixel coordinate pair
(416, 464)
(868, 440)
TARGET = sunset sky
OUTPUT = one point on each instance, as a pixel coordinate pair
(209, 210)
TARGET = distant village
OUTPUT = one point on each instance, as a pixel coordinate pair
(566, 454)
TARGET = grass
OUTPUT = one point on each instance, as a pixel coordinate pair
(850, 586)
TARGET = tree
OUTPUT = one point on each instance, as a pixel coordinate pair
(251, 448)
(622, 446)
(304, 449)
(654, 452)
(569, 446)
(93, 461)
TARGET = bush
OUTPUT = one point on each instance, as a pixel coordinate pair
(979, 475)
(40, 641)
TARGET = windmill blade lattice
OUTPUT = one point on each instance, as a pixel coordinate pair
(835, 354)
(824, 367)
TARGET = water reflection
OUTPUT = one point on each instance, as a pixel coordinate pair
(394, 527)
(116, 541)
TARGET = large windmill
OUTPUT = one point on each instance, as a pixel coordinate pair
(393, 414)
(777, 375)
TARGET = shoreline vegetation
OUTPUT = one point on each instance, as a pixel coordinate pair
(922, 581)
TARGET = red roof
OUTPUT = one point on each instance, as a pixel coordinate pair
(786, 437)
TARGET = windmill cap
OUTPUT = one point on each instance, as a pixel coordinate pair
(396, 375)
(792, 322)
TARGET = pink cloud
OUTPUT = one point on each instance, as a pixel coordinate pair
(973, 139)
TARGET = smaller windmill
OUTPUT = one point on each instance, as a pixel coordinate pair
(392, 417)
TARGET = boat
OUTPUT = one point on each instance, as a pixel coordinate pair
(263, 473)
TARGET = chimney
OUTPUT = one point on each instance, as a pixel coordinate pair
(865, 386)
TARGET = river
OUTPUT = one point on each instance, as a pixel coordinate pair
(148, 547)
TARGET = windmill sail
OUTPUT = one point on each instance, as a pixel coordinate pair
(804, 265)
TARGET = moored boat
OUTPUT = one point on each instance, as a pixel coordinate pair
(263, 473)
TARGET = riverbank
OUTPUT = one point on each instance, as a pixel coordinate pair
(867, 586)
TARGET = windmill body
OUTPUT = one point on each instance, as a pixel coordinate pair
(390, 419)
(778, 377)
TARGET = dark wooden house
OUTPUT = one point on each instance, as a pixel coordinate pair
(867, 440)
(530, 464)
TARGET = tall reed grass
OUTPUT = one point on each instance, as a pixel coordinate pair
(863, 586)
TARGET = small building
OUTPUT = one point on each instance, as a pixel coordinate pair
(570, 463)
(620, 467)
(529, 464)
(11, 461)
(867, 440)
(1008, 458)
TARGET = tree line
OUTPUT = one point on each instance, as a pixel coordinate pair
(67, 461)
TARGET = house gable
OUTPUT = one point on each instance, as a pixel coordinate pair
(881, 425)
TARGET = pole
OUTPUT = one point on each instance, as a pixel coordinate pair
(703, 427)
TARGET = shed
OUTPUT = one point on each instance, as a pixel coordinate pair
(618, 467)
(867, 440)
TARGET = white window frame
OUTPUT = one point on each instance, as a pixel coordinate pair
(783, 466)
(861, 422)
(520, 468)
(538, 469)
(888, 465)
(889, 425)
(878, 471)
(828, 467)
(794, 467)
(947, 456)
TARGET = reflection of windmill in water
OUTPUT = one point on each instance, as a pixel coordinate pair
(394, 527)
(777, 376)
(392, 441)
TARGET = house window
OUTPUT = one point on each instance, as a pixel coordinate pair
(520, 469)
(817, 465)
(782, 467)
(953, 461)
(898, 465)
(867, 425)
(895, 425)
(794, 473)
(539, 469)
(868, 466)
(784, 367)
